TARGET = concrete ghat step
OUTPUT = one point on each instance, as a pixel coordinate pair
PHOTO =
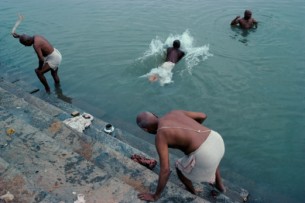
(39, 120)
(102, 158)
(22, 188)
(95, 132)
(57, 170)
(46, 120)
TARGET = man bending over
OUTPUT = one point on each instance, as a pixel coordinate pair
(203, 149)
(49, 58)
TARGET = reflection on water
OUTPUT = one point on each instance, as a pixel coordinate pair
(241, 34)
(60, 94)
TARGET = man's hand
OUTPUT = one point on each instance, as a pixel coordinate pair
(235, 20)
(15, 35)
(147, 197)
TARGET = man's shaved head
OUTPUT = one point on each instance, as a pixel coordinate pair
(26, 40)
(147, 121)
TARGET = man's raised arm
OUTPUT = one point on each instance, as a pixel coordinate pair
(235, 21)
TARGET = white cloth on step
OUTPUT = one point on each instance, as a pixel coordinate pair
(80, 122)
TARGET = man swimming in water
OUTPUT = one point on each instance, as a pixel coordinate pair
(247, 22)
(49, 58)
(173, 56)
(203, 149)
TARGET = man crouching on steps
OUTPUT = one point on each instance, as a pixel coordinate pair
(203, 149)
(49, 57)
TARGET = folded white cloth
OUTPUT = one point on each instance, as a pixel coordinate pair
(80, 122)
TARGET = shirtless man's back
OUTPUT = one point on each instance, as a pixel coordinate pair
(174, 54)
(203, 148)
(42, 45)
(181, 130)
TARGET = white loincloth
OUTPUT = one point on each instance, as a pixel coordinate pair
(53, 59)
(79, 123)
(201, 165)
(163, 73)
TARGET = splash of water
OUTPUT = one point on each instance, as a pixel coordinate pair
(194, 55)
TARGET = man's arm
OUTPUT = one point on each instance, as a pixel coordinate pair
(15, 35)
(235, 21)
(182, 55)
(197, 116)
(39, 55)
(162, 149)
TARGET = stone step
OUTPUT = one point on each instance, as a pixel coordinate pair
(126, 169)
(95, 131)
(23, 189)
(58, 170)
(61, 110)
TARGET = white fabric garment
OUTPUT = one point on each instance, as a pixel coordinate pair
(162, 73)
(80, 122)
(53, 59)
(201, 164)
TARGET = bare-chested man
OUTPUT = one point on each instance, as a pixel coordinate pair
(49, 58)
(247, 22)
(173, 56)
(203, 149)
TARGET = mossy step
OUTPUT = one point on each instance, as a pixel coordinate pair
(95, 132)
(104, 157)
(23, 189)
(57, 170)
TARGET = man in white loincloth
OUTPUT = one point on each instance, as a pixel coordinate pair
(49, 57)
(203, 149)
(173, 56)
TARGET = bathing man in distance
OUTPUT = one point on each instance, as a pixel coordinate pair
(173, 56)
(183, 130)
(247, 22)
(49, 58)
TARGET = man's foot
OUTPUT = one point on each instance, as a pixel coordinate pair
(221, 188)
(214, 193)
(217, 189)
(57, 84)
(153, 78)
(48, 90)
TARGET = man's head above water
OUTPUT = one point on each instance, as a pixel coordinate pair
(176, 44)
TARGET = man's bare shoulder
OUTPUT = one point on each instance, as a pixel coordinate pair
(171, 116)
(176, 112)
(41, 39)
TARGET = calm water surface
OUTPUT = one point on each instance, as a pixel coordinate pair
(250, 84)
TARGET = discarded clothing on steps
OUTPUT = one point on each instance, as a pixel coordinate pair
(80, 122)
(148, 163)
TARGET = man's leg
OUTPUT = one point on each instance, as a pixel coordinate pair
(218, 182)
(39, 72)
(55, 76)
(188, 184)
